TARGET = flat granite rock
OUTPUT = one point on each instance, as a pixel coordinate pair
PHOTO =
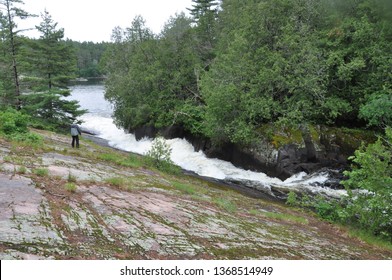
(25, 219)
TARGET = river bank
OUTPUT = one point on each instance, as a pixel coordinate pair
(99, 203)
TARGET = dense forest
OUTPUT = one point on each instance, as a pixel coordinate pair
(235, 65)
(89, 56)
(224, 72)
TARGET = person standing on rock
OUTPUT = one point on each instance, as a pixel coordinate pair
(75, 132)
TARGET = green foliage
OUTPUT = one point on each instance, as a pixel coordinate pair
(372, 175)
(42, 172)
(50, 110)
(225, 204)
(369, 185)
(71, 178)
(160, 151)
(377, 111)
(159, 156)
(13, 122)
(185, 188)
(49, 64)
(254, 62)
(32, 139)
(118, 182)
(22, 170)
(292, 199)
(89, 57)
(132, 160)
(373, 167)
(71, 187)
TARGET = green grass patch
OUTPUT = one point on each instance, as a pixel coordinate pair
(225, 204)
(132, 161)
(120, 182)
(370, 238)
(185, 188)
(285, 217)
(42, 172)
(71, 187)
(21, 170)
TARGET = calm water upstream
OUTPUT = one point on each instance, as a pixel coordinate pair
(99, 121)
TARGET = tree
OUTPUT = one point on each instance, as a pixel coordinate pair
(204, 13)
(131, 62)
(51, 65)
(267, 68)
(9, 34)
(52, 60)
(372, 174)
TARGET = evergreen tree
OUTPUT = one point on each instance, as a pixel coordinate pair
(10, 73)
(51, 65)
(204, 13)
(52, 61)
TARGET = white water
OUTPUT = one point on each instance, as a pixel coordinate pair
(99, 121)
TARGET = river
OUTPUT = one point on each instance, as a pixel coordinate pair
(99, 121)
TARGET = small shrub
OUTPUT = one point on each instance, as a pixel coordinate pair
(292, 199)
(13, 122)
(160, 151)
(159, 157)
(22, 170)
(71, 187)
(42, 172)
(71, 178)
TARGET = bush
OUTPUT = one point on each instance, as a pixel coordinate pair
(28, 138)
(71, 187)
(42, 172)
(13, 122)
(159, 156)
(371, 207)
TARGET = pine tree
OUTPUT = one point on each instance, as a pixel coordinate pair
(51, 65)
(204, 13)
(54, 61)
(10, 75)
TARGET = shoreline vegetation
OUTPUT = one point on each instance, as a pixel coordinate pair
(79, 188)
(224, 73)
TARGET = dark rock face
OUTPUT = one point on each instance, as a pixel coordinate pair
(286, 161)
(292, 160)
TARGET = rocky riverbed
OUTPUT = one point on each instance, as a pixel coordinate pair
(94, 203)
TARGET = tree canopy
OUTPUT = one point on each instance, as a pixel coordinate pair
(235, 65)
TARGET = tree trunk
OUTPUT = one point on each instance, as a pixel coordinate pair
(18, 102)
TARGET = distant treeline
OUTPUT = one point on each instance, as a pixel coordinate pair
(89, 56)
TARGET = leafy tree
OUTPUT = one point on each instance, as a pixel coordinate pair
(377, 110)
(372, 174)
(130, 64)
(267, 68)
(152, 79)
(357, 44)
